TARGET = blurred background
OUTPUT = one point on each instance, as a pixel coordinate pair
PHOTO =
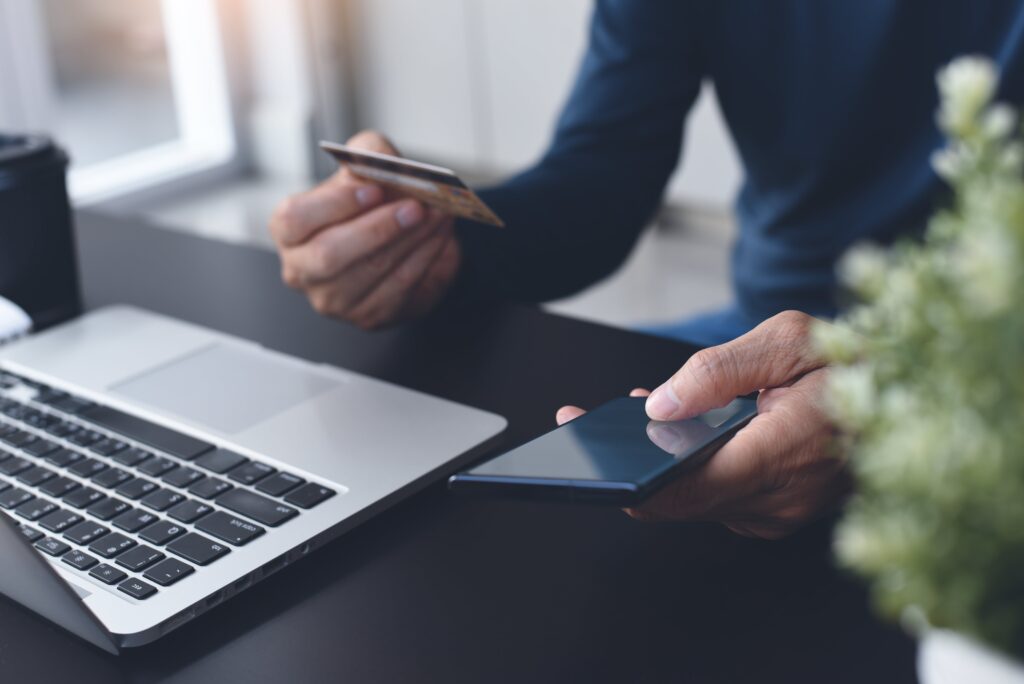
(202, 114)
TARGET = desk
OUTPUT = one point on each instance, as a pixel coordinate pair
(445, 589)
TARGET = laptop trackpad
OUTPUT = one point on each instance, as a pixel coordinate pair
(227, 388)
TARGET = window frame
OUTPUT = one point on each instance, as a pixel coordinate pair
(198, 63)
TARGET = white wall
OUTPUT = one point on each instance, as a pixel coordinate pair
(477, 84)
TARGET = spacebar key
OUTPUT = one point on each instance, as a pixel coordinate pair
(156, 436)
(259, 508)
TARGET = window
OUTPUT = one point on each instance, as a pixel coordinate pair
(137, 91)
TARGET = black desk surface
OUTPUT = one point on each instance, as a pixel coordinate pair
(445, 589)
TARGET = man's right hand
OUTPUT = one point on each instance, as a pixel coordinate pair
(362, 254)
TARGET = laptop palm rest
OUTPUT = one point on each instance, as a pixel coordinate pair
(226, 387)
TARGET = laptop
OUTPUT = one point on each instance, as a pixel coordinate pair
(151, 469)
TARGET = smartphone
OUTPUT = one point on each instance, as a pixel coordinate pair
(612, 455)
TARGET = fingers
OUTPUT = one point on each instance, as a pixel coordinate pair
(730, 476)
(373, 141)
(387, 270)
(772, 476)
(385, 302)
(772, 354)
(639, 392)
(334, 201)
(300, 216)
(567, 413)
(334, 250)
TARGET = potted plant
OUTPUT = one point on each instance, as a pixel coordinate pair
(928, 390)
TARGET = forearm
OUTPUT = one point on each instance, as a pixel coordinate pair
(573, 218)
(568, 226)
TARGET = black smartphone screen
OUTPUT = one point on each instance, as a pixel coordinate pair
(614, 453)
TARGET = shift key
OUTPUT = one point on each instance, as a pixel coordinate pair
(225, 527)
(259, 508)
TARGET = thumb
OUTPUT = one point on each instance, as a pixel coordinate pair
(772, 354)
(373, 141)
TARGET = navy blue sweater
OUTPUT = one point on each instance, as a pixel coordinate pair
(831, 104)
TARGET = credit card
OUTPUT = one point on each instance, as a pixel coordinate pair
(434, 185)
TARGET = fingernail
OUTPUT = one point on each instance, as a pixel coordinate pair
(662, 403)
(409, 214)
(368, 195)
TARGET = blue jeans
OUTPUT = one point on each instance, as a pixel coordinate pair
(706, 330)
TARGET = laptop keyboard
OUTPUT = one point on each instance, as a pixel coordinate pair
(126, 502)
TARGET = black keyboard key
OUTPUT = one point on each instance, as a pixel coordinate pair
(168, 572)
(114, 477)
(137, 488)
(31, 534)
(107, 574)
(35, 509)
(134, 520)
(33, 477)
(62, 428)
(112, 545)
(84, 437)
(86, 496)
(62, 458)
(210, 488)
(251, 473)
(14, 466)
(130, 458)
(229, 528)
(86, 533)
(197, 549)
(59, 521)
(137, 589)
(162, 499)
(52, 547)
(40, 447)
(108, 508)
(309, 495)
(259, 508)
(79, 560)
(32, 416)
(155, 467)
(4, 486)
(87, 468)
(59, 487)
(14, 497)
(20, 439)
(156, 436)
(190, 511)
(160, 533)
(72, 405)
(49, 396)
(39, 420)
(12, 409)
(139, 558)
(107, 447)
(183, 477)
(220, 460)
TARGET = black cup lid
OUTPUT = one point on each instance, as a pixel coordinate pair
(18, 148)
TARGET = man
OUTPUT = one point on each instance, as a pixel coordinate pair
(831, 104)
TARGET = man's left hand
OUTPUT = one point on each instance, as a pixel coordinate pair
(777, 473)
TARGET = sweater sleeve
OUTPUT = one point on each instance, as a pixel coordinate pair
(573, 218)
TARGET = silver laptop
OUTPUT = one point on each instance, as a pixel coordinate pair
(150, 468)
